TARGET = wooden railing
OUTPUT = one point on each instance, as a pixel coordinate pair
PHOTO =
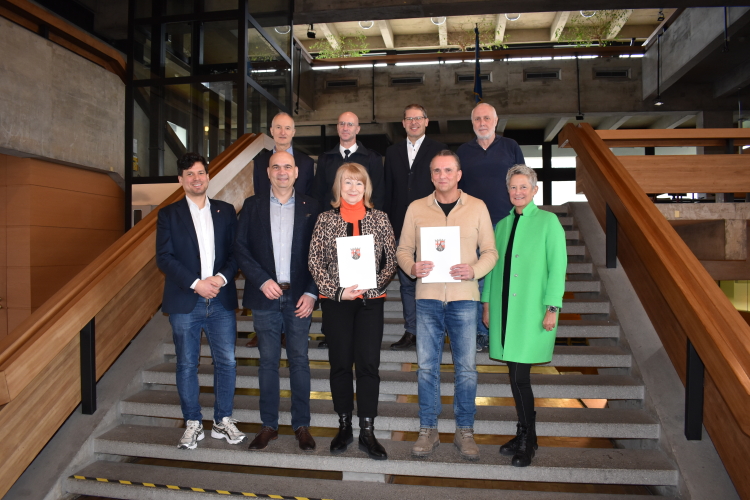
(681, 299)
(35, 18)
(40, 381)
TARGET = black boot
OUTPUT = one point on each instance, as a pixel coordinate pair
(526, 445)
(367, 441)
(345, 436)
(511, 447)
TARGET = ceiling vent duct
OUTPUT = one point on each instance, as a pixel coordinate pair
(469, 77)
(407, 80)
(619, 74)
(337, 84)
(541, 74)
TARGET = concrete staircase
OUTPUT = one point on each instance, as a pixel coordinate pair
(589, 341)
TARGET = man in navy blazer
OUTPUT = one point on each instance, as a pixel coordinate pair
(194, 249)
(272, 246)
(282, 130)
(408, 178)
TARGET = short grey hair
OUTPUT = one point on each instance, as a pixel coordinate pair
(521, 169)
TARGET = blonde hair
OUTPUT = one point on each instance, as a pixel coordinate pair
(351, 171)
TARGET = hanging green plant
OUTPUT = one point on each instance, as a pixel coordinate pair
(465, 37)
(348, 46)
(595, 29)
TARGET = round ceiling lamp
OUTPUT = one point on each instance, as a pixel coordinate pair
(366, 25)
(588, 13)
(282, 30)
(438, 21)
(515, 16)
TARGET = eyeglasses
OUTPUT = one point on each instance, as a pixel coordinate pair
(414, 118)
(347, 124)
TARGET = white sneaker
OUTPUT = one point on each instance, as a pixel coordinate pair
(193, 433)
(227, 430)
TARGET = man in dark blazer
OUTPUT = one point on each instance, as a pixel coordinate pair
(282, 130)
(408, 178)
(348, 150)
(272, 246)
(194, 249)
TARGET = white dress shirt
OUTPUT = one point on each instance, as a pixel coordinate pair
(204, 230)
(413, 149)
(351, 149)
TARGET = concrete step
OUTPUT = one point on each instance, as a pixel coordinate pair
(188, 480)
(392, 416)
(570, 465)
(395, 383)
(394, 328)
(566, 221)
(580, 268)
(573, 235)
(588, 356)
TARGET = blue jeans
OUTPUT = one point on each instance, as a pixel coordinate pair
(481, 329)
(408, 301)
(268, 327)
(434, 317)
(220, 326)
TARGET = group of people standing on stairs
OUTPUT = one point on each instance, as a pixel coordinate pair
(506, 292)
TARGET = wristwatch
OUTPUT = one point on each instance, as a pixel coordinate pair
(553, 309)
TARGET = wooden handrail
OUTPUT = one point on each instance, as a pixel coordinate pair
(33, 17)
(630, 138)
(716, 329)
(31, 346)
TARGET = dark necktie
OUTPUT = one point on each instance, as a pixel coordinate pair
(346, 154)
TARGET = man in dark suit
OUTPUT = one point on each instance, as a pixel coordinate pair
(273, 242)
(194, 239)
(348, 150)
(408, 178)
(282, 130)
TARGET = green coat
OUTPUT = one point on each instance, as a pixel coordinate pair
(538, 268)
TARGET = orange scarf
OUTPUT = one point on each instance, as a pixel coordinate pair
(353, 214)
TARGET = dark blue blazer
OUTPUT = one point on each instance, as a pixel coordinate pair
(305, 166)
(178, 255)
(254, 249)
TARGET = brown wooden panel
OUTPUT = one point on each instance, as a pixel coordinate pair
(3, 198)
(3, 324)
(16, 316)
(746, 316)
(18, 286)
(28, 421)
(674, 137)
(61, 246)
(46, 280)
(705, 238)
(721, 270)
(124, 316)
(43, 173)
(60, 208)
(690, 174)
(18, 246)
(17, 206)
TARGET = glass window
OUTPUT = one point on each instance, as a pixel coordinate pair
(539, 196)
(217, 5)
(179, 37)
(260, 111)
(267, 9)
(532, 155)
(219, 47)
(141, 131)
(260, 53)
(178, 7)
(282, 35)
(562, 158)
(142, 9)
(142, 53)
(565, 191)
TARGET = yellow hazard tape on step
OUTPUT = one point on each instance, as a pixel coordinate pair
(187, 488)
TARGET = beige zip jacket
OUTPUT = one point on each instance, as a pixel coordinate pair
(472, 216)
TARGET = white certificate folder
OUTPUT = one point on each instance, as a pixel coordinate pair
(441, 246)
(356, 256)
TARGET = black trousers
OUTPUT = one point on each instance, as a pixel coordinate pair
(520, 384)
(354, 331)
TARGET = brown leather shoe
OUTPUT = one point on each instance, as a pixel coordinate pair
(262, 438)
(306, 441)
(253, 342)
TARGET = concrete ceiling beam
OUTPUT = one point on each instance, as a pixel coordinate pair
(387, 33)
(558, 25)
(443, 126)
(500, 22)
(443, 33)
(554, 126)
(738, 79)
(501, 124)
(671, 121)
(617, 25)
(613, 122)
(331, 34)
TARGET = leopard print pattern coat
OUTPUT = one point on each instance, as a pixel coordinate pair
(323, 259)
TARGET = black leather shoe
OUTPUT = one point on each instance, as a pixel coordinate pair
(345, 436)
(306, 441)
(323, 344)
(405, 342)
(511, 447)
(526, 446)
(262, 438)
(367, 441)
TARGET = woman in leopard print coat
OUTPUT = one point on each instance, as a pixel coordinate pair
(353, 319)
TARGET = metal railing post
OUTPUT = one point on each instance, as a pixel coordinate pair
(693, 394)
(88, 368)
(611, 235)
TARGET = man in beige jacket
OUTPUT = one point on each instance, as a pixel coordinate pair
(447, 307)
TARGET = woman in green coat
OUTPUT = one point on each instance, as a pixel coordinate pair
(522, 296)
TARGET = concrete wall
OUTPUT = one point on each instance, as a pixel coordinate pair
(447, 100)
(57, 105)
